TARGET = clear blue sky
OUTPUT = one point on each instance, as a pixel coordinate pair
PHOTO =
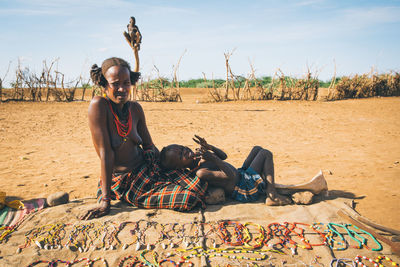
(271, 34)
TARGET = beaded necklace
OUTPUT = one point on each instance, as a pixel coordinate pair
(291, 228)
(54, 263)
(343, 261)
(141, 235)
(364, 240)
(209, 253)
(73, 242)
(123, 129)
(275, 230)
(379, 259)
(167, 235)
(49, 263)
(226, 236)
(359, 259)
(211, 235)
(295, 225)
(145, 261)
(247, 236)
(334, 233)
(133, 263)
(131, 232)
(45, 237)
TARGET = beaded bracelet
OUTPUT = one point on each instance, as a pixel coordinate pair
(106, 198)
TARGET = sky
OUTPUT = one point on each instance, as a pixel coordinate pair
(293, 36)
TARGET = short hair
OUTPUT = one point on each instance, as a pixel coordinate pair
(97, 73)
(164, 164)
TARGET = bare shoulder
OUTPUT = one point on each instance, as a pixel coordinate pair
(136, 105)
(137, 108)
(97, 100)
(98, 104)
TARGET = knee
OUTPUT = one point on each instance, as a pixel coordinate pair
(256, 149)
(266, 153)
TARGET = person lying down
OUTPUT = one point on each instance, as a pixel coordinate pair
(255, 179)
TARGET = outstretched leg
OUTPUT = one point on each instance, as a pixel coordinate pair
(263, 164)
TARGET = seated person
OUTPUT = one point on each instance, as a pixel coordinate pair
(246, 184)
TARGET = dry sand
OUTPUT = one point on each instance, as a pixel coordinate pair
(46, 147)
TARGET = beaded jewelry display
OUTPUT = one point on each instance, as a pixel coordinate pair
(45, 237)
(199, 239)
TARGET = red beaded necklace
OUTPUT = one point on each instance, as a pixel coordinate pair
(123, 129)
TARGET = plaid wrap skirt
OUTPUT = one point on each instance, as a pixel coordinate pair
(150, 187)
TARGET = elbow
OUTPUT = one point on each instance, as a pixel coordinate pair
(106, 155)
(201, 173)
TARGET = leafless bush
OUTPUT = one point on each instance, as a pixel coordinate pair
(160, 89)
(2, 79)
(50, 83)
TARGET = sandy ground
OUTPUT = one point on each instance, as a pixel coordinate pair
(46, 147)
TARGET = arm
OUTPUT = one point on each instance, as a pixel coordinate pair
(226, 170)
(143, 130)
(101, 140)
(206, 146)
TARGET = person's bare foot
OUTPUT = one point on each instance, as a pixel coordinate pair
(275, 199)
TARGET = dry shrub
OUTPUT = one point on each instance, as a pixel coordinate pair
(367, 85)
(287, 88)
(158, 91)
(49, 84)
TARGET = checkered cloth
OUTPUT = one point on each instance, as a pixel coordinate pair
(150, 187)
